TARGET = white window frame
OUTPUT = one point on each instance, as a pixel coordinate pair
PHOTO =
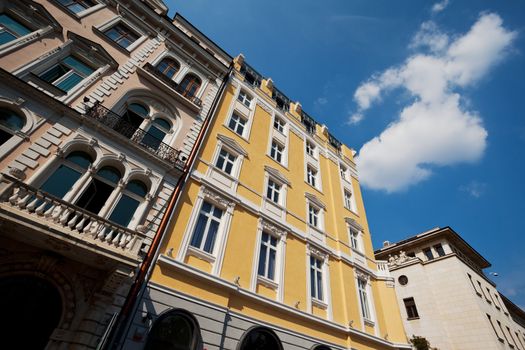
(241, 110)
(84, 12)
(237, 123)
(245, 98)
(277, 284)
(276, 188)
(366, 318)
(311, 149)
(343, 172)
(277, 151)
(228, 158)
(347, 197)
(141, 36)
(279, 124)
(215, 259)
(312, 176)
(325, 302)
(314, 216)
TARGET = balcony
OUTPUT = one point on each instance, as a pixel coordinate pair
(172, 84)
(44, 219)
(137, 136)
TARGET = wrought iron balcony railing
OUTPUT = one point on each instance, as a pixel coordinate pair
(166, 80)
(137, 136)
(70, 219)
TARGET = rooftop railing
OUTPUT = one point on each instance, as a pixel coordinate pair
(251, 76)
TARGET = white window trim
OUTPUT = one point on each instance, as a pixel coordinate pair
(326, 303)
(283, 152)
(24, 40)
(82, 13)
(227, 206)
(119, 19)
(248, 95)
(370, 300)
(318, 178)
(249, 117)
(31, 124)
(177, 77)
(278, 283)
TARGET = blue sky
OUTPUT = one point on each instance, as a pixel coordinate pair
(429, 93)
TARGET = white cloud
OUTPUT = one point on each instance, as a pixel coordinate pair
(321, 101)
(474, 188)
(435, 129)
(440, 6)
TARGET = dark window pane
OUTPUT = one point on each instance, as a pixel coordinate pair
(61, 181)
(139, 109)
(210, 238)
(95, 196)
(6, 37)
(109, 173)
(262, 260)
(11, 120)
(54, 73)
(198, 233)
(162, 123)
(137, 187)
(80, 158)
(271, 264)
(171, 332)
(124, 210)
(77, 65)
(15, 27)
(69, 82)
(312, 283)
(4, 136)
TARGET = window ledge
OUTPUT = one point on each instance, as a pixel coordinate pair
(267, 282)
(319, 303)
(413, 318)
(52, 89)
(276, 161)
(196, 252)
(369, 322)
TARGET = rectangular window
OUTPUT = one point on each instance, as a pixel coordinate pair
(278, 124)
(273, 190)
(428, 253)
(245, 99)
(267, 254)
(77, 6)
(122, 35)
(205, 232)
(225, 161)
(11, 29)
(67, 74)
(311, 176)
(410, 306)
(439, 249)
(354, 238)
(237, 123)
(503, 332)
(363, 298)
(316, 278)
(473, 285)
(310, 149)
(276, 152)
(313, 216)
(348, 200)
(343, 171)
(494, 328)
(511, 339)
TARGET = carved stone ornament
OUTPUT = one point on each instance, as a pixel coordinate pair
(316, 252)
(142, 228)
(17, 173)
(266, 226)
(398, 260)
(215, 197)
(362, 276)
(264, 106)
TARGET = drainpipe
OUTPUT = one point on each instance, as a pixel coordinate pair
(147, 266)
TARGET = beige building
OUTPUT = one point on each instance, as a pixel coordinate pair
(101, 104)
(445, 297)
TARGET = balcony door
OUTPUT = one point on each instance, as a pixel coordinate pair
(128, 124)
(32, 308)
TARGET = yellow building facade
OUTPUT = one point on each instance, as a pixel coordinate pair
(269, 241)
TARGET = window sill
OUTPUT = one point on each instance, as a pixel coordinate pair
(52, 89)
(196, 252)
(267, 282)
(234, 132)
(276, 161)
(412, 318)
(369, 322)
(319, 303)
(319, 190)
(79, 15)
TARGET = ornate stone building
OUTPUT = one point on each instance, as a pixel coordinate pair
(101, 105)
(445, 297)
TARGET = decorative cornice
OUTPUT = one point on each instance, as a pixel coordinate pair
(232, 144)
(266, 226)
(214, 196)
(277, 174)
(312, 198)
(354, 224)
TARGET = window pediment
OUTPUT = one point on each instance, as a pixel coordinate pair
(353, 223)
(313, 199)
(277, 175)
(91, 51)
(232, 144)
(34, 13)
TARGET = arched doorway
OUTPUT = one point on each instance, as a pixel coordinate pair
(32, 308)
(260, 338)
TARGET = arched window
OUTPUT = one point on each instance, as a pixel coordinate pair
(260, 338)
(132, 196)
(190, 85)
(321, 347)
(67, 174)
(174, 330)
(99, 189)
(10, 122)
(132, 119)
(156, 133)
(168, 67)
